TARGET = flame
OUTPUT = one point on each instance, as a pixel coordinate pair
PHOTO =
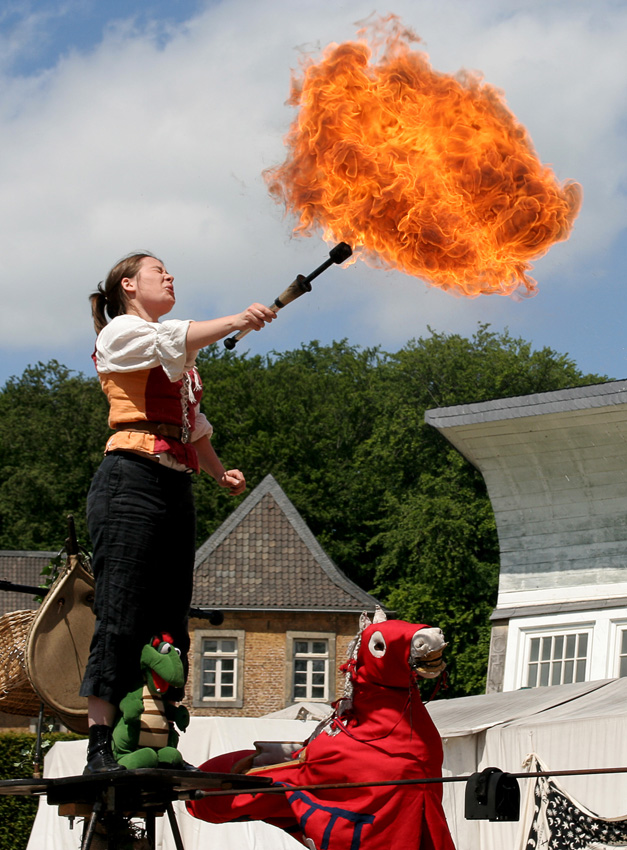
(423, 172)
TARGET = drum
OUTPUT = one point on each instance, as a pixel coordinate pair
(58, 640)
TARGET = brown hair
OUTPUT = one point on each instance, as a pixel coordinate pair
(109, 300)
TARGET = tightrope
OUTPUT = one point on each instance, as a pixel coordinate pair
(338, 786)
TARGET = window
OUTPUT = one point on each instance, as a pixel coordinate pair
(311, 667)
(557, 659)
(219, 669)
(622, 654)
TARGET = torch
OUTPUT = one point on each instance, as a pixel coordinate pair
(298, 287)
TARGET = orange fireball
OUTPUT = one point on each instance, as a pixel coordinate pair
(423, 172)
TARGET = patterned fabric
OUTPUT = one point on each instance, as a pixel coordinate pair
(561, 823)
(142, 525)
(147, 376)
(148, 396)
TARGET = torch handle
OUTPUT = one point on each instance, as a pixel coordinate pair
(297, 288)
(342, 251)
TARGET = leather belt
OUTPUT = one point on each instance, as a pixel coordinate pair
(160, 429)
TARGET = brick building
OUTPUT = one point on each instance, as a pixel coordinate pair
(289, 612)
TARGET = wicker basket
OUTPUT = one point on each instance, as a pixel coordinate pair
(16, 692)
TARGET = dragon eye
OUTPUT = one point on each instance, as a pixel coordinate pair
(165, 648)
(377, 645)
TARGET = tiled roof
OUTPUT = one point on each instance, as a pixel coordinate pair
(264, 557)
(21, 568)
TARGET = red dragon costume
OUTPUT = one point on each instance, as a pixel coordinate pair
(380, 731)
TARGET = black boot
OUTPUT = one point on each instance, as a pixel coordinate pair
(191, 768)
(100, 757)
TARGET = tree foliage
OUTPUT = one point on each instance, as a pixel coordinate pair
(53, 426)
(17, 812)
(342, 430)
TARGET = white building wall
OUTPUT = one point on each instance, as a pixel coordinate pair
(555, 467)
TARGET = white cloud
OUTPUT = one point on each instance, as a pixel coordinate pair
(159, 143)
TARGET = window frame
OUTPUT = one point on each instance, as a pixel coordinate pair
(618, 628)
(574, 629)
(236, 701)
(291, 639)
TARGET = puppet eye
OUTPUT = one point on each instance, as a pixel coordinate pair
(377, 645)
(165, 648)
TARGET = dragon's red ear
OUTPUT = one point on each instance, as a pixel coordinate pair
(166, 638)
(156, 640)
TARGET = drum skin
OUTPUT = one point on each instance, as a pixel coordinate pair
(58, 644)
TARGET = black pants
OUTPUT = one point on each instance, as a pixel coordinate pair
(142, 524)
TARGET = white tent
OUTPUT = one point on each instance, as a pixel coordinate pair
(569, 727)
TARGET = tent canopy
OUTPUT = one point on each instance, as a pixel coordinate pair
(570, 727)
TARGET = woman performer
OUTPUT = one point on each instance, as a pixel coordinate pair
(140, 508)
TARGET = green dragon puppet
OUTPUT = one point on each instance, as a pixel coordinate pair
(144, 734)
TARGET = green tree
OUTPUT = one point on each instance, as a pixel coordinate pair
(438, 564)
(17, 812)
(53, 427)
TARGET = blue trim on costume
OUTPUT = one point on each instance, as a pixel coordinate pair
(336, 814)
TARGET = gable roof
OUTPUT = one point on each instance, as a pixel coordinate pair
(264, 557)
(21, 568)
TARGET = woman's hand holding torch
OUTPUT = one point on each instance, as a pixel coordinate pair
(298, 287)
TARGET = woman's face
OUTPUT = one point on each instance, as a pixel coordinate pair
(151, 292)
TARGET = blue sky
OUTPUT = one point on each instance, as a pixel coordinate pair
(129, 125)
